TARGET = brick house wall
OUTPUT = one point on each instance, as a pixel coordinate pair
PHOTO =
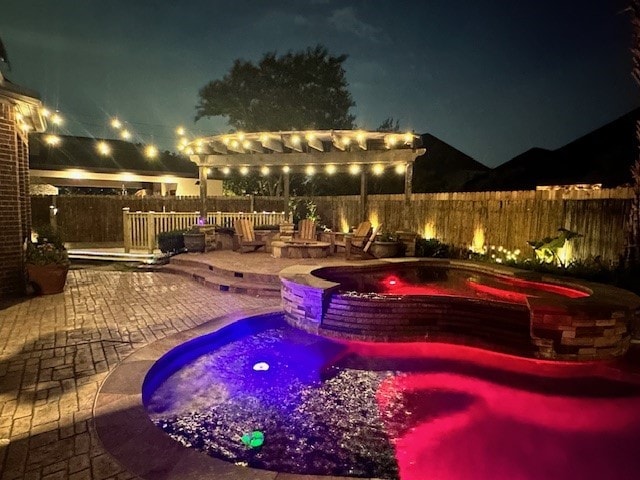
(15, 204)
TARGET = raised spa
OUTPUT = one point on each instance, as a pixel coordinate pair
(462, 302)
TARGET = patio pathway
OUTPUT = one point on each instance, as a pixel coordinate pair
(56, 350)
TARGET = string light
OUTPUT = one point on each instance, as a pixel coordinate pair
(52, 140)
(399, 168)
(151, 151)
(103, 148)
(244, 170)
(115, 123)
(310, 170)
(125, 134)
(286, 169)
(378, 169)
(354, 169)
(57, 119)
(226, 170)
(264, 171)
(180, 131)
(330, 169)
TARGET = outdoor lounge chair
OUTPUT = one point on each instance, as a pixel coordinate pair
(361, 246)
(246, 235)
(359, 235)
(307, 230)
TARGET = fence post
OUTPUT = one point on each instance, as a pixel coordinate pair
(151, 231)
(126, 228)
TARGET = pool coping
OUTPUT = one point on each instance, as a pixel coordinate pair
(128, 434)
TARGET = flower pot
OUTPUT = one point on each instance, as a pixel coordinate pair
(47, 279)
(194, 242)
(384, 249)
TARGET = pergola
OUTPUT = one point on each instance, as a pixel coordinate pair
(333, 151)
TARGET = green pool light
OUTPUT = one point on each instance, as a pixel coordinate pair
(254, 439)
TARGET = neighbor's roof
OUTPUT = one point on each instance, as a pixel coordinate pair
(82, 153)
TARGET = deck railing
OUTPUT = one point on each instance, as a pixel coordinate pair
(141, 229)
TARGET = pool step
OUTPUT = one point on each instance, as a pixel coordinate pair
(223, 283)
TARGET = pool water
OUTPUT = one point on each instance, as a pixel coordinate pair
(410, 411)
(437, 280)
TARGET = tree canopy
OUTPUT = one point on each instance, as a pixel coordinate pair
(298, 90)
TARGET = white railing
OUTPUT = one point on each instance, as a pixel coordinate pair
(141, 229)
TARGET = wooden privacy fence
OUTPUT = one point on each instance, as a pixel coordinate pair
(507, 219)
(141, 229)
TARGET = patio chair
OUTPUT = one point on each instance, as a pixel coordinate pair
(361, 246)
(307, 230)
(359, 235)
(246, 235)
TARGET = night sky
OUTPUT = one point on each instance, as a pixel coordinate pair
(491, 78)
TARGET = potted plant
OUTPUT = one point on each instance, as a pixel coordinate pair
(47, 262)
(385, 245)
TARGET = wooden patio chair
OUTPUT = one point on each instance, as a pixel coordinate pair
(246, 235)
(307, 230)
(358, 237)
(361, 247)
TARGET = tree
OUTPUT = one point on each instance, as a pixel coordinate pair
(301, 90)
(389, 125)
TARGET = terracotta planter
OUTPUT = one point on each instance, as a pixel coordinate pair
(47, 279)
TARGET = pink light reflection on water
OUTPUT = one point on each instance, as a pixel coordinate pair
(504, 288)
(498, 431)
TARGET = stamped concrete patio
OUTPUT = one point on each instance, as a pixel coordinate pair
(55, 351)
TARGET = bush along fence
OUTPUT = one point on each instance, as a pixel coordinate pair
(462, 219)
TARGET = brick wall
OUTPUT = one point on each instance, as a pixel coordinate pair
(15, 209)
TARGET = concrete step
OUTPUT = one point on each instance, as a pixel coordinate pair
(95, 255)
(223, 283)
(196, 263)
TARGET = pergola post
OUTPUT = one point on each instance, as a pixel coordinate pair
(363, 194)
(408, 178)
(286, 180)
(202, 172)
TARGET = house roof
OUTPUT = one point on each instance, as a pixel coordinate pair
(81, 153)
(27, 102)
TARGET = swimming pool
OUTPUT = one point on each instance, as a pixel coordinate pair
(391, 410)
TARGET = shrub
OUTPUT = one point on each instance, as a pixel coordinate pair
(433, 248)
(48, 248)
(172, 241)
